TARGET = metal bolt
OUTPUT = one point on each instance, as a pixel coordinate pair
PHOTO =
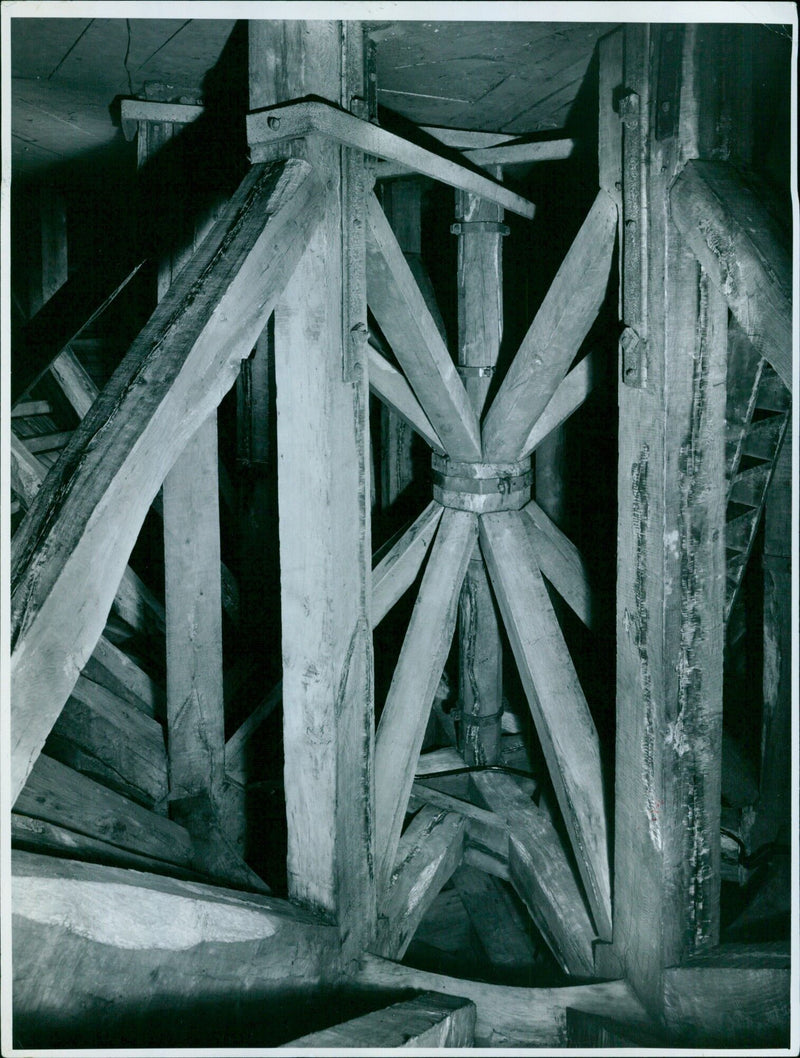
(274, 122)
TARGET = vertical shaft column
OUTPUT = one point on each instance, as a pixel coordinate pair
(323, 495)
(480, 329)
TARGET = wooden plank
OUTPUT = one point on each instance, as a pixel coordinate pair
(542, 874)
(555, 336)
(509, 1016)
(586, 1030)
(416, 677)
(427, 1020)
(431, 796)
(387, 383)
(561, 562)
(429, 851)
(398, 569)
(325, 548)
(572, 391)
(743, 251)
(61, 796)
(82, 526)
(113, 742)
(47, 442)
(74, 382)
(113, 669)
(501, 929)
(292, 120)
(405, 319)
(236, 746)
(522, 153)
(562, 718)
(671, 560)
(31, 407)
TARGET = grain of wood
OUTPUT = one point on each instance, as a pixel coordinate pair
(398, 569)
(561, 562)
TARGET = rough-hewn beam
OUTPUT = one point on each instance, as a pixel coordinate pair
(571, 393)
(561, 562)
(398, 569)
(386, 382)
(69, 555)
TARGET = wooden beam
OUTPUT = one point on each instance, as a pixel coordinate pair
(555, 336)
(429, 851)
(561, 562)
(406, 321)
(416, 677)
(291, 120)
(671, 559)
(429, 1020)
(114, 670)
(562, 718)
(82, 526)
(398, 569)
(493, 152)
(74, 382)
(572, 391)
(387, 383)
(508, 1016)
(323, 442)
(542, 873)
(236, 746)
(501, 928)
(742, 250)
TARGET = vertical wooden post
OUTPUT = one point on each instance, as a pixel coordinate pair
(479, 227)
(323, 495)
(671, 486)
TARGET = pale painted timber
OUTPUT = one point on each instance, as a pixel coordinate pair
(72, 549)
(387, 382)
(562, 718)
(406, 321)
(542, 874)
(742, 250)
(292, 120)
(398, 569)
(416, 677)
(572, 391)
(561, 562)
(555, 336)
(429, 851)
(429, 1020)
(509, 1016)
(322, 397)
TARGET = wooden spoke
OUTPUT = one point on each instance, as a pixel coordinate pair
(83, 524)
(429, 851)
(571, 393)
(387, 383)
(542, 874)
(396, 571)
(405, 319)
(563, 721)
(554, 337)
(561, 562)
(416, 677)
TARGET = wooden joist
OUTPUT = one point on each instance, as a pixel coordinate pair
(406, 321)
(291, 120)
(114, 670)
(419, 668)
(743, 251)
(429, 1020)
(563, 721)
(555, 336)
(72, 549)
(429, 851)
(561, 562)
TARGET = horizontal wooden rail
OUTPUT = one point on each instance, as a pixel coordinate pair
(499, 154)
(289, 121)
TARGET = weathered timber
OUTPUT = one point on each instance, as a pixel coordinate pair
(416, 677)
(735, 996)
(555, 336)
(585, 1030)
(406, 321)
(387, 383)
(562, 718)
(491, 156)
(572, 391)
(325, 550)
(479, 284)
(61, 796)
(74, 382)
(72, 549)
(113, 669)
(429, 795)
(31, 407)
(235, 747)
(508, 1016)
(47, 442)
(561, 562)
(398, 569)
(671, 559)
(292, 120)
(743, 251)
(429, 851)
(542, 873)
(428, 1020)
(108, 740)
(500, 926)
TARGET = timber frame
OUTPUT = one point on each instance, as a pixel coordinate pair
(620, 869)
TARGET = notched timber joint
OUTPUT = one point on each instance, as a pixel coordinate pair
(632, 353)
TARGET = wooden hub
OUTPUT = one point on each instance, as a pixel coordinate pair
(481, 487)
